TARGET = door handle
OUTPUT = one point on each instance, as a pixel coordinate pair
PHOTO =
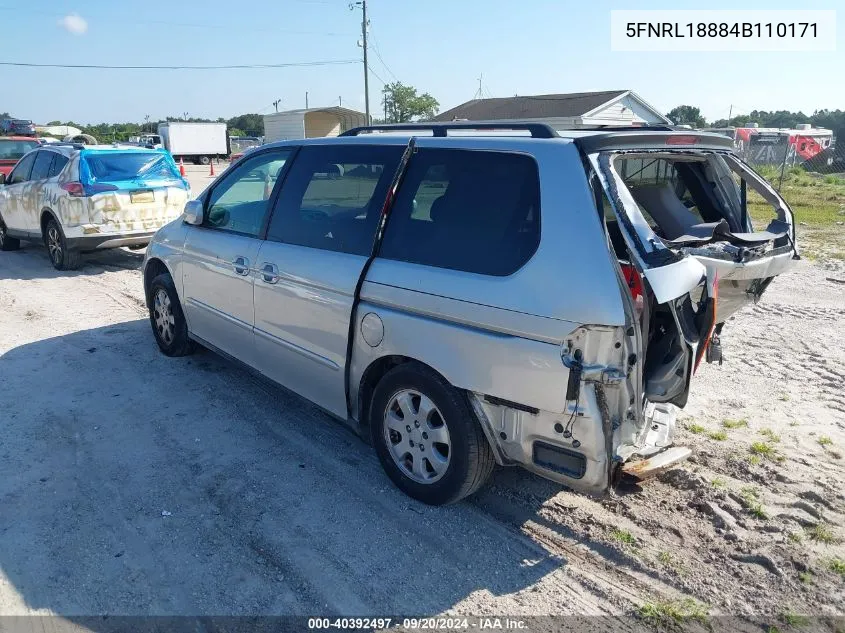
(241, 265)
(269, 273)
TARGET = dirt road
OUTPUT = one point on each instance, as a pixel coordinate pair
(131, 483)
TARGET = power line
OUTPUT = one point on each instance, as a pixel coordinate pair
(378, 54)
(335, 62)
(376, 75)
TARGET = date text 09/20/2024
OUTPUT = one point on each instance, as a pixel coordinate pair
(419, 624)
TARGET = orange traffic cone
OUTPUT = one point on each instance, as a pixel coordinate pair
(181, 168)
(211, 171)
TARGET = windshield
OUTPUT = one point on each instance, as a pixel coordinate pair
(14, 150)
(118, 166)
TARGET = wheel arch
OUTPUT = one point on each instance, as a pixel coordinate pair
(371, 376)
(152, 269)
(46, 215)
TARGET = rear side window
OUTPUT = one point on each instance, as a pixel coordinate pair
(475, 211)
(333, 196)
(57, 165)
(41, 168)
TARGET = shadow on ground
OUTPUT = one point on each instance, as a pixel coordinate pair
(132, 483)
(32, 262)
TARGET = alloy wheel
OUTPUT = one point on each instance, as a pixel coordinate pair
(163, 315)
(417, 436)
(54, 244)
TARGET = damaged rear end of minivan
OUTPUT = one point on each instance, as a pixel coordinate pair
(675, 208)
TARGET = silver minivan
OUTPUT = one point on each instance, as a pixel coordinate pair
(472, 294)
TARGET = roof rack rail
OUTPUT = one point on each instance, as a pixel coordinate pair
(537, 130)
(68, 144)
(626, 128)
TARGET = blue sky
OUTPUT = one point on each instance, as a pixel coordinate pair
(439, 46)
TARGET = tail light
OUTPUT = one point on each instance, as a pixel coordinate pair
(75, 189)
(682, 139)
(633, 279)
(78, 190)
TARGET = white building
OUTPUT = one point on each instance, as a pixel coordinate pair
(310, 123)
(573, 110)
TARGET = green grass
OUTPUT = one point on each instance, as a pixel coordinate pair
(751, 497)
(719, 482)
(837, 566)
(795, 537)
(793, 619)
(665, 558)
(771, 435)
(696, 428)
(719, 436)
(821, 533)
(805, 577)
(763, 449)
(784, 397)
(824, 440)
(754, 460)
(672, 612)
(734, 424)
(623, 536)
(814, 200)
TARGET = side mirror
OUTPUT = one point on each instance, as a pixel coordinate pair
(193, 212)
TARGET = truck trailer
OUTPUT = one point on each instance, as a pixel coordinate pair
(195, 142)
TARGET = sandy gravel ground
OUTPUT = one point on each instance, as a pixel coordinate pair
(131, 483)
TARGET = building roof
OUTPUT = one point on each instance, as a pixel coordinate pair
(303, 111)
(531, 107)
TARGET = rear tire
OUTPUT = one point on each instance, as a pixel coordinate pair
(454, 459)
(204, 160)
(7, 243)
(62, 257)
(167, 319)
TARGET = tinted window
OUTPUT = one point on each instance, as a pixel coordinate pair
(58, 165)
(475, 211)
(332, 197)
(14, 150)
(43, 160)
(22, 169)
(239, 202)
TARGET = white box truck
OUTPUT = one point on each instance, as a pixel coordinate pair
(196, 142)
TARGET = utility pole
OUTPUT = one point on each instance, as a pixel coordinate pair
(340, 101)
(363, 5)
(146, 121)
(730, 112)
(306, 99)
(185, 114)
(276, 104)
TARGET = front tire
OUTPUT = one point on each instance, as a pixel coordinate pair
(7, 243)
(167, 319)
(426, 436)
(62, 257)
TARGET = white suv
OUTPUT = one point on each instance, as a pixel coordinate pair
(75, 198)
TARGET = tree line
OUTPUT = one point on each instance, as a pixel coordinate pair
(401, 103)
(830, 119)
